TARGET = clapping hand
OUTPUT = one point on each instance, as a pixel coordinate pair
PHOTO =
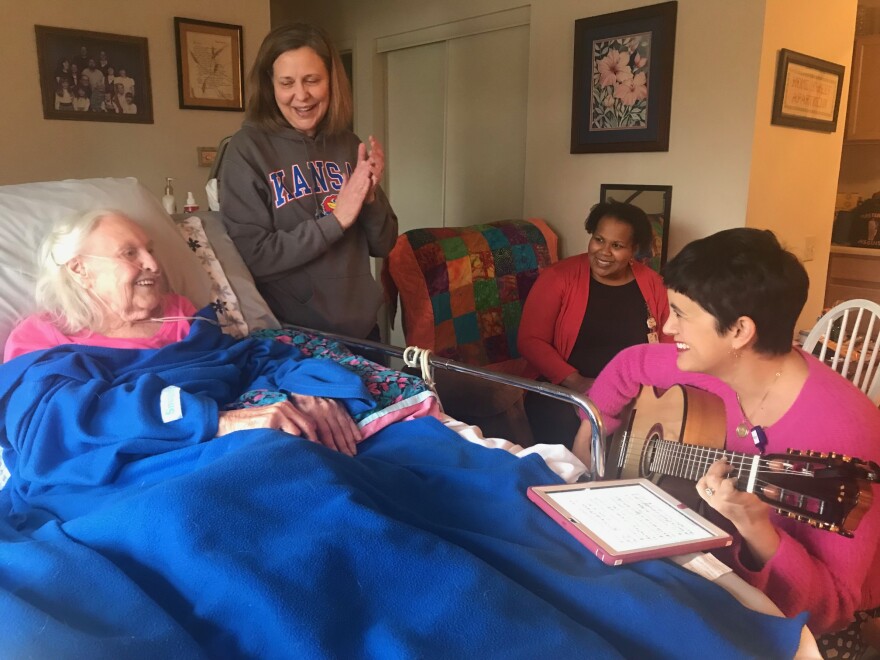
(360, 187)
(376, 160)
(353, 192)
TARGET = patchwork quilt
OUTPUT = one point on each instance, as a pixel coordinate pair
(462, 288)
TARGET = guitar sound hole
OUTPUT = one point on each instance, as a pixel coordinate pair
(649, 451)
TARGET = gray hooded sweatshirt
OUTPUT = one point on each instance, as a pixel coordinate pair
(277, 195)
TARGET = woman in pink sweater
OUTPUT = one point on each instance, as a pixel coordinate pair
(735, 297)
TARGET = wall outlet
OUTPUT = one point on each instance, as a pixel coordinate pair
(809, 248)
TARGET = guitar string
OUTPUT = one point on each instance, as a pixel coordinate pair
(677, 450)
(763, 483)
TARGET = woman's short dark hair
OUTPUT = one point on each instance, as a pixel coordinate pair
(262, 108)
(628, 214)
(743, 272)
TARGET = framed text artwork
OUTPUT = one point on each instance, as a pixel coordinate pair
(93, 76)
(807, 92)
(210, 65)
(622, 91)
(656, 202)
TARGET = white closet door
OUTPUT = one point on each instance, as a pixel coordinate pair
(457, 129)
(486, 126)
(416, 135)
(456, 136)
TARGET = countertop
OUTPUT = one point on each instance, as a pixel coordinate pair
(848, 249)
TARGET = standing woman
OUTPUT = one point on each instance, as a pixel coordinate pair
(299, 192)
(585, 309)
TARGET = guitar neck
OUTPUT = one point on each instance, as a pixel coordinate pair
(827, 490)
(691, 461)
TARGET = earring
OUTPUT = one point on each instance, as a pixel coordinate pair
(735, 353)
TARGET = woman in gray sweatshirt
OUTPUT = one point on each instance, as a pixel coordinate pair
(299, 192)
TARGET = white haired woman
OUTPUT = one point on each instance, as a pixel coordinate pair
(100, 284)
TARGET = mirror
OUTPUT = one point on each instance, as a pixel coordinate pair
(656, 202)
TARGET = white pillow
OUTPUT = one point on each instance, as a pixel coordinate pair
(29, 210)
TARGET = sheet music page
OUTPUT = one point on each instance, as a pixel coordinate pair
(629, 517)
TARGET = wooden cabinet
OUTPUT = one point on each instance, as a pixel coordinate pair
(852, 273)
(863, 114)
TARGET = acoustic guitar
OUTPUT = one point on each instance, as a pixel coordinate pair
(681, 432)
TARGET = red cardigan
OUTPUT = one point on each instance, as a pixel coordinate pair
(555, 308)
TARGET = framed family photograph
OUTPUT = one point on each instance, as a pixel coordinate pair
(93, 76)
(807, 92)
(622, 92)
(210, 65)
(656, 202)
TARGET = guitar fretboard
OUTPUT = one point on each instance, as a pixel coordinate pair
(691, 462)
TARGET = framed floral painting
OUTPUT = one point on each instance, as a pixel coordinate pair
(622, 91)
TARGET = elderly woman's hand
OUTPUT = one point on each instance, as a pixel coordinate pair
(335, 427)
(320, 420)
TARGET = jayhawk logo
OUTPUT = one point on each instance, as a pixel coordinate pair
(329, 204)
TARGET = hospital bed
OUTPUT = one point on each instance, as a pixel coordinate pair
(259, 544)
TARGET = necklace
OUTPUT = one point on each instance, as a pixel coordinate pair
(743, 428)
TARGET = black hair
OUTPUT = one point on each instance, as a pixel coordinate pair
(743, 272)
(628, 214)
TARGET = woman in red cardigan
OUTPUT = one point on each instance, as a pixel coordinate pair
(585, 309)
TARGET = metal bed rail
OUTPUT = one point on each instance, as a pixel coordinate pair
(597, 439)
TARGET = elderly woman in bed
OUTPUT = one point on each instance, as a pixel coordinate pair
(100, 284)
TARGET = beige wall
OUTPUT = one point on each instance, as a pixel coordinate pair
(725, 161)
(37, 149)
(793, 180)
(728, 166)
(712, 119)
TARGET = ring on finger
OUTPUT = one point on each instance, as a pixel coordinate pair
(709, 491)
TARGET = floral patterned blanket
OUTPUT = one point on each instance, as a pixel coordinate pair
(398, 395)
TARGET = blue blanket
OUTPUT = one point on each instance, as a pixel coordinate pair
(125, 537)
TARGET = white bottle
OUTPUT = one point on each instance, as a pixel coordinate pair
(168, 198)
(190, 206)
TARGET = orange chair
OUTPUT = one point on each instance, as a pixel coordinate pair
(461, 291)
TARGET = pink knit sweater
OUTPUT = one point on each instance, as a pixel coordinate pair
(36, 333)
(821, 572)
